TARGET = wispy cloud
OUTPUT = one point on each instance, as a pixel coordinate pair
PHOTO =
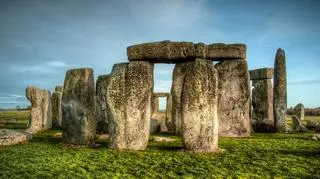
(305, 82)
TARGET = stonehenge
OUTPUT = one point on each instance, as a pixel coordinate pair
(280, 91)
(78, 107)
(41, 109)
(207, 99)
(56, 100)
(262, 100)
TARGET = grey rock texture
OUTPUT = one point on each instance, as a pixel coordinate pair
(12, 137)
(129, 103)
(169, 121)
(234, 98)
(47, 109)
(297, 125)
(280, 91)
(101, 103)
(56, 100)
(155, 105)
(41, 109)
(34, 95)
(313, 125)
(262, 106)
(59, 89)
(78, 107)
(178, 76)
(173, 52)
(299, 111)
(220, 51)
(199, 107)
(261, 74)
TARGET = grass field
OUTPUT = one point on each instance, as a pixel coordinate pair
(261, 156)
(14, 119)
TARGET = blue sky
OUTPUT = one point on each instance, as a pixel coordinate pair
(41, 39)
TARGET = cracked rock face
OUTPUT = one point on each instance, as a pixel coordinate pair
(56, 100)
(129, 105)
(261, 74)
(78, 107)
(101, 103)
(199, 107)
(280, 91)
(12, 137)
(41, 109)
(234, 106)
(297, 125)
(179, 73)
(262, 103)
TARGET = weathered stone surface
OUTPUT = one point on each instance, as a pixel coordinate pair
(313, 125)
(155, 105)
(129, 102)
(179, 73)
(173, 52)
(261, 74)
(78, 107)
(59, 89)
(262, 103)
(299, 111)
(56, 100)
(41, 109)
(47, 109)
(234, 99)
(161, 94)
(199, 107)
(154, 126)
(34, 95)
(169, 121)
(12, 137)
(163, 127)
(220, 51)
(101, 103)
(297, 125)
(280, 91)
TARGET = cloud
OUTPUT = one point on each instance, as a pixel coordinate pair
(305, 82)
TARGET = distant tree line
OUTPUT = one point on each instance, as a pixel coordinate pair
(308, 111)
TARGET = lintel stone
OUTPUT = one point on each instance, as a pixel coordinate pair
(261, 74)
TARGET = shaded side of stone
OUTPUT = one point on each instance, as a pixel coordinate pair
(261, 74)
(78, 107)
(234, 99)
(262, 103)
(56, 100)
(178, 76)
(101, 103)
(297, 125)
(59, 89)
(199, 107)
(280, 91)
(169, 121)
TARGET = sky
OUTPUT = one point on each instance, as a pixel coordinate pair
(41, 39)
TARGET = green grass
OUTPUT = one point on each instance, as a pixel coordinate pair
(22, 118)
(262, 156)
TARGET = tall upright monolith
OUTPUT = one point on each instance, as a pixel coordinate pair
(280, 91)
(78, 107)
(199, 104)
(56, 100)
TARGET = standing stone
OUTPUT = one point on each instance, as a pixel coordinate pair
(280, 91)
(155, 105)
(34, 95)
(199, 107)
(169, 121)
(56, 100)
(297, 125)
(101, 103)
(262, 100)
(59, 89)
(47, 109)
(234, 98)
(129, 102)
(299, 111)
(78, 107)
(178, 76)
